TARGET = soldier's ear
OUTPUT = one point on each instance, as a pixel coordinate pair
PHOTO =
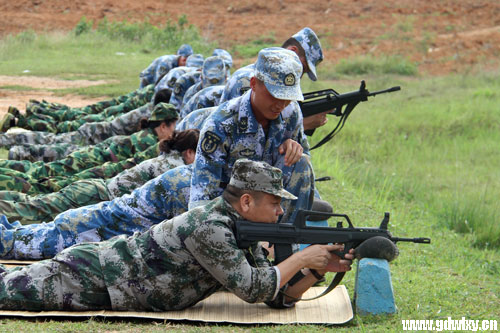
(253, 82)
(246, 202)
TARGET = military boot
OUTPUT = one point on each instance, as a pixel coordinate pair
(8, 121)
(14, 111)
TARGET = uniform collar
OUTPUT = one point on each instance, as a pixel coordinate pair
(246, 119)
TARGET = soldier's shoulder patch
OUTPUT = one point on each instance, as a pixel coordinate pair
(210, 142)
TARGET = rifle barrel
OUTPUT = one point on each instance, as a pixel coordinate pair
(424, 240)
(396, 88)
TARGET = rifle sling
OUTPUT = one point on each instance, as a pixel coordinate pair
(339, 126)
(335, 282)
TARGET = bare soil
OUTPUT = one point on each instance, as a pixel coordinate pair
(445, 36)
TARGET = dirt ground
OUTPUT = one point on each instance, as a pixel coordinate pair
(444, 36)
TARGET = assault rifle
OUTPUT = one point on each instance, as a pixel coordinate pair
(283, 235)
(328, 99)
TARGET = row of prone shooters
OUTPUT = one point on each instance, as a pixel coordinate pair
(166, 195)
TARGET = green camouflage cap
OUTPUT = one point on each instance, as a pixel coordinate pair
(312, 47)
(259, 176)
(185, 50)
(280, 70)
(163, 111)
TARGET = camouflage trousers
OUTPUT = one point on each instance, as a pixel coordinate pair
(11, 180)
(77, 161)
(300, 183)
(35, 209)
(46, 124)
(73, 280)
(63, 112)
(41, 122)
(45, 153)
(36, 138)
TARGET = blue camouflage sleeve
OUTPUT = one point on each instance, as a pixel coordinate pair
(211, 157)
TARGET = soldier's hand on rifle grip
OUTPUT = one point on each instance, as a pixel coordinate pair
(315, 121)
(292, 150)
(320, 257)
(337, 264)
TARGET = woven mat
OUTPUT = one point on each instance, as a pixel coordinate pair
(334, 308)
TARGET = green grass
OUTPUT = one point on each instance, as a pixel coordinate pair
(434, 142)
(251, 49)
(427, 154)
(371, 65)
(116, 51)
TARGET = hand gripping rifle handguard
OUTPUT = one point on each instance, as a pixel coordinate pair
(283, 235)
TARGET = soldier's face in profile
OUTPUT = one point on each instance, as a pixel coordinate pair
(263, 103)
(182, 61)
(265, 208)
(164, 131)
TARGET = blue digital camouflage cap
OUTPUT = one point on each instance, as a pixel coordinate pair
(259, 176)
(311, 45)
(280, 70)
(195, 60)
(213, 72)
(163, 111)
(185, 50)
(226, 56)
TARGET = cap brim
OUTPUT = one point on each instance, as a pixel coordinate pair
(292, 93)
(312, 71)
(286, 195)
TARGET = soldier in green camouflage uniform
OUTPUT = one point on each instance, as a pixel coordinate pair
(177, 151)
(46, 146)
(177, 263)
(46, 123)
(160, 125)
(17, 181)
(64, 112)
(14, 117)
(108, 114)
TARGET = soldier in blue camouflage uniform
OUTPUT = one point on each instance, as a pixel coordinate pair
(193, 62)
(213, 73)
(183, 83)
(161, 65)
(177, 263)
(195, 119)
(160, 126)
(308, 47)
(45, 146)
(263, 124)
(161, 198)
(228, 60)
(205, 98)
(175, 152)
(211, 87)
